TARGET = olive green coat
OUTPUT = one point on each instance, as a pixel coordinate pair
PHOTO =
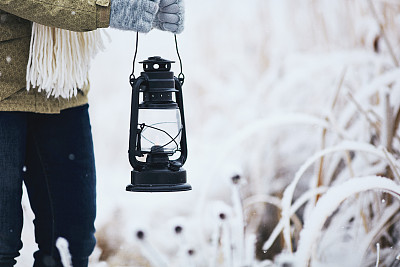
(15, 33)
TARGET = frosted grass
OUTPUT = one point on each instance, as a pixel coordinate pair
(330, 202)
(297, 97)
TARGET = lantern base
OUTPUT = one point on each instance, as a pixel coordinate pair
(158, 181)
(158, 188)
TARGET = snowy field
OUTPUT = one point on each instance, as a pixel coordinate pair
(292, 111)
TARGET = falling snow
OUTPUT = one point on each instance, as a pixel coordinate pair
(298, 101)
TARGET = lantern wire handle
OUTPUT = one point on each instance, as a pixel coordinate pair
(132, 76)
(181, 76)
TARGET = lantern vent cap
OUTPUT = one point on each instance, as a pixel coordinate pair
(156, 63)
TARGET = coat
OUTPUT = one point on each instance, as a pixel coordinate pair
(15, 34)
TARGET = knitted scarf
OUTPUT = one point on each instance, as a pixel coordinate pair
(59, 60)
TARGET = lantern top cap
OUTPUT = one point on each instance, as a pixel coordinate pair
(156, 59)
(156, 63)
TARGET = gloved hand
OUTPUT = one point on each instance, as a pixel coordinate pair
(170, 16)
(134, 15)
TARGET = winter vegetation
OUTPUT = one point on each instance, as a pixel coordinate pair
(292, 110)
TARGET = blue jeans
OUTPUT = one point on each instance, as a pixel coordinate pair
(53, 156)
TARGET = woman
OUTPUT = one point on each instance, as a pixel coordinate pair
(45, 134)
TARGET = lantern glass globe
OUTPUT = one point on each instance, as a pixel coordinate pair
(160, 127)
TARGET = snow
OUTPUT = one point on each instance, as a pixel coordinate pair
(289, 95)
(62, 246)
(329, 203)
(289, 191)
(299, 202)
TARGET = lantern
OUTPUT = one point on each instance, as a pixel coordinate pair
(157, 140)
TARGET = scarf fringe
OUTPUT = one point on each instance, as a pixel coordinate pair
(59, 60)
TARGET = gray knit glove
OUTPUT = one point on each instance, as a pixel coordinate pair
(134, 15)
(170, 16)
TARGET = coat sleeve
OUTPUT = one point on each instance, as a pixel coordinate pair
(74, 15)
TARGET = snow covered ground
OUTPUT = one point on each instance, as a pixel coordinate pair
(296, 97)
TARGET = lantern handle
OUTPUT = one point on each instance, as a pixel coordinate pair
(132, 76)
(181, 76)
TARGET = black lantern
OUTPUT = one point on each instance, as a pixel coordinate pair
(157, 140)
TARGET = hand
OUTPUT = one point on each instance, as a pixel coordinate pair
(170, 16)
(134, 15)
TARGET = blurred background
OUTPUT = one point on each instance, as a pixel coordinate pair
(268, 84)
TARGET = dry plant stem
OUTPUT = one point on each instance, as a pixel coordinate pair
(349, 165)
(376, 117)
(363, 217)
(359, 107)
(396, 124)
(320, 20)
(382, 29)
(321, 164)
(390, 158)
(387, 122)
(377, 203)
(377, 254)
(348, 157)
(340, 85)
(338, 168)
(238, 209)
(298, 226)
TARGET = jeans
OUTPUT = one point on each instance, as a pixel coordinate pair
(53, 156)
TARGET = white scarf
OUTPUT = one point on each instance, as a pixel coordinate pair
(59, 60)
